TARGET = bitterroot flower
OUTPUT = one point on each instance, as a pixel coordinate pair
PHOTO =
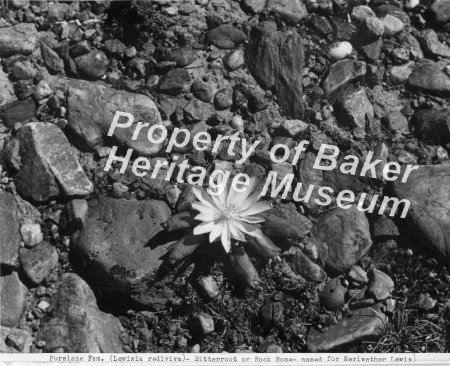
(230, 215)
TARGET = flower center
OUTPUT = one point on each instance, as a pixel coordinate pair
(228, 212)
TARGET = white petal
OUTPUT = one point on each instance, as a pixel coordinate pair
(235, 232)
(204, 216)
(216, 231)
(203, 197)
(252, 219)
(248, 229)
(257, 208)
(237, 198)
(204, 227)
(226, 242)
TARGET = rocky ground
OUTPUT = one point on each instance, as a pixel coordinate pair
(87, 261)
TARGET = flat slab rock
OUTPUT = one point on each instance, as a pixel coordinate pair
(115, 244)
(77, 324)
(9, 230)
(366, 323)
(428, 190)
(48, 164)
(91, 108)
(21, 38)
(14, 298)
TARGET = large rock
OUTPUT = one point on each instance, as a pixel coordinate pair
(341, 73)
(13, 300)
(38, 262)
(291, 11)
(431, 45)
(355, 109)
(17, 111)
(93, 65)
(77, 325)
(432, 125)
(48, 164)
(91, 108)
(429, 78)
(428, 190)
(9, 230)
(115, 247)
(21, 38)
(364, 324)
(275, 59)
(6, 89)
(15, 340)
(226, 36)
(441, 10)
(344, 237)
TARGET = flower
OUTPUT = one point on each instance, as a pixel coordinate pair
(229, 215)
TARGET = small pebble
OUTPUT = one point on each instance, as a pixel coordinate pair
(237, 123)
(340, 50)
(411, 4)
(31, 234)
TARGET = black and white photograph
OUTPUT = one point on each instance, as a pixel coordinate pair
(225, 182)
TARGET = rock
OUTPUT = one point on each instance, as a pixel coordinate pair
(226, 36)
(358, 275)
(364, 324)
(38, 262)
(202, 91)
(58, 12)
(17, 111)
(341, 50)
(6, 89)
(20, 38)
(429, 194)
(223, 99)
(237, 123)
(290, 10)
(77, 324)
(341, 73)
(271, 312)
(361, 12)
(234, 60)
(372, 50)
(91, 109)
(19, 339)
(14, 299)
(209, 287)
(441, 10)
(93, 65)
(41, 90)
(397, 75)
(429, 78)
(274, 348)
(380, 285)
(373, 27)
(9, 230)
(174, 82)
(400, 55)
(426, 302)
(115, 247)
(114, 47)
(202, 323)
(74, 215)
(431, 45)
(306, 268)
(31, 234)
(51, 59)
(182, 56)
(332, 295)
(392, 25)
(384, 228)
(432, 125)
(275, 59)
(256, 6)
(23, 70)
(355, 109)
(295, 127)
(47, 158)
(345, 238)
